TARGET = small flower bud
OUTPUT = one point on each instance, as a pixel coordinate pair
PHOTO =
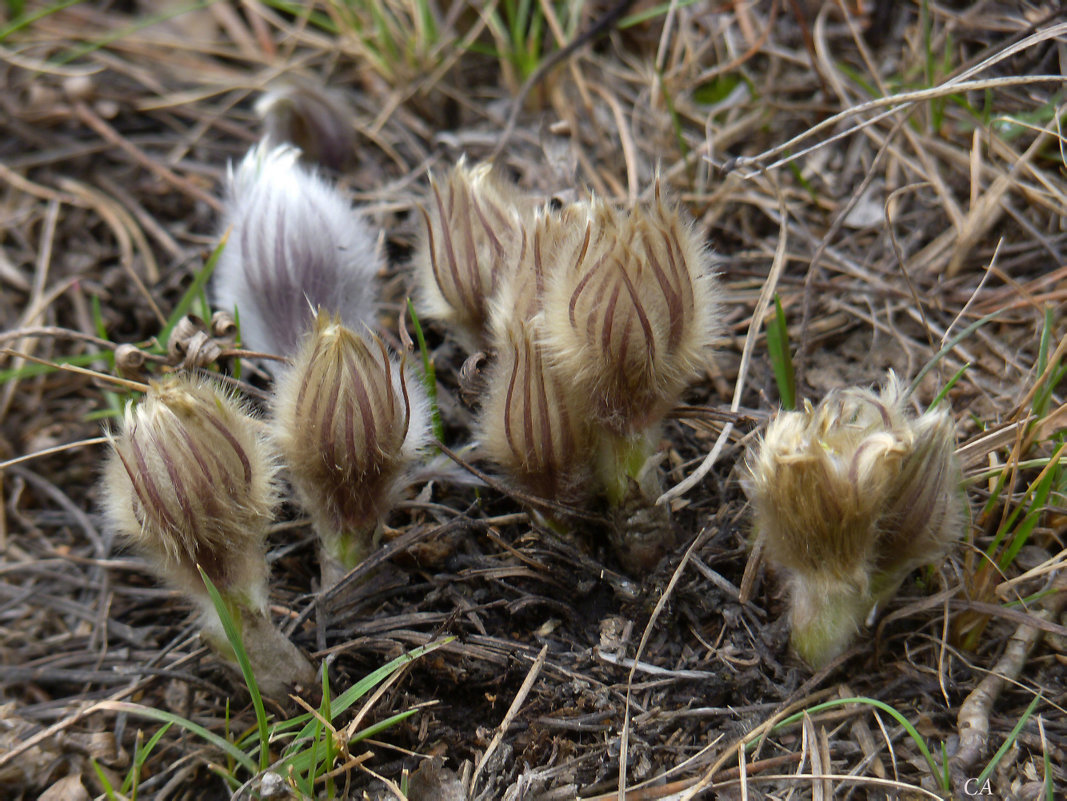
(473, 237)
(529, 424)
(348, 422)
(190, 483)
(630, 310)
(317, 121)
(294, 244)
(848, 498)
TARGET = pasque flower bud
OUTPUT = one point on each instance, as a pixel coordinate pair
(295, 244)
(630, 310)
(348, 422)
(473, 237)
(529, 422)
(190, 482)
(849, 497)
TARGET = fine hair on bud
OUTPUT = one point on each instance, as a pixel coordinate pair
(294, 243)
(926, 510)
(519, 299)
(473, 235)
(529, 422)
(189, 481)
(631, 308)
(348, 421)
(849, 496)
(314, 119)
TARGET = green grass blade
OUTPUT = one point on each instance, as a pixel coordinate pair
(962, 335)
(191, 294)
(33, 369)
(940, 396)
(1009, 742)
(109, 791)
(658, 10)
(346, 699)
(25, 20)
(114, 400)
(1048, 776)
(327, 714)
(382, 725)
(1033, 516)
(141, 753)
(234, 637)
(222, 744)
(884, 707)
(779, 352)
(142, 22)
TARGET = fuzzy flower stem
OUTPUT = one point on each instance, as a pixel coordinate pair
(825, 617)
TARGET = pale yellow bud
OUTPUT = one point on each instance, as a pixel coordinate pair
(473, 237)
(848, 497)
(630, 310)
(348, 422)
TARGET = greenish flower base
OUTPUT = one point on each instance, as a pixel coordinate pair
(641, 532)
(826, 616)
(341, 553)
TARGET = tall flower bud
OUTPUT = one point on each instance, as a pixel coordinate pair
(190, 483)
(295, 244)
(528, 421)
(850, 496)
(348, 422)
(473, 237)
(630, 310)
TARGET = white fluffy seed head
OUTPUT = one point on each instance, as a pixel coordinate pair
(630, 309)
(190, 481)
(348, 421)
(294, 244)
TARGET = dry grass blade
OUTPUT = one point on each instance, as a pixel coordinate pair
(892, 173)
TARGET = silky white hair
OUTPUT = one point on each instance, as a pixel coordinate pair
(295, 244)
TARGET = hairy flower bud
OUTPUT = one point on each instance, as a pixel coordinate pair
(190, 483)
(473, 237)
(294, 244)
(528, 422)
(348, 422)
(313, 119)
(520, 296)
(630, 310)
(850, 496)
